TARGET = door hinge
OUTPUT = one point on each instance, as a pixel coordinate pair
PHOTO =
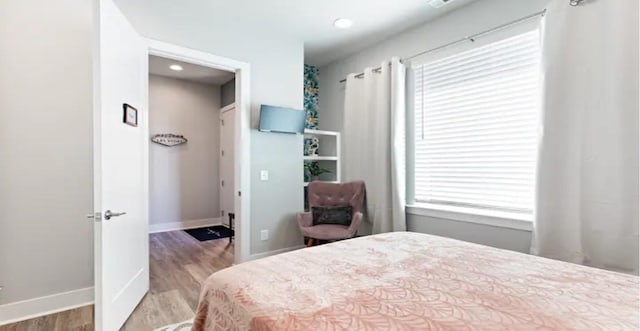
(239, 193)
(222, 183)
(222, 153)
(95, 216)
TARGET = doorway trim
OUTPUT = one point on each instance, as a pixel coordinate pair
(242, 248)
(227, 107)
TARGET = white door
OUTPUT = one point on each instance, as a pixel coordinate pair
(227, 156)
(120, 169)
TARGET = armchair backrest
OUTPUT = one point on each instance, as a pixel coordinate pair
(322, 194)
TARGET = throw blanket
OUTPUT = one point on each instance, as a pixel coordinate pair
(412, 281)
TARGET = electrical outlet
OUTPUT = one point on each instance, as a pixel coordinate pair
(264, 235)
(264, 175)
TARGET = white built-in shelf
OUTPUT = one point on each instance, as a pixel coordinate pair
(320, 158)
(321, 132)
(329, 144)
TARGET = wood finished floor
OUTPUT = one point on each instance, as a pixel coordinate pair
(178, 265)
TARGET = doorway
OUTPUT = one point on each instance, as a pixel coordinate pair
(237, 90)
(121, 160)
(192, 117)
(191, 155)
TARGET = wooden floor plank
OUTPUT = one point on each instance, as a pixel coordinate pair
(75, 319)
(178, 264)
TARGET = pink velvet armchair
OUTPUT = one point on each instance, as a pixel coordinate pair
(322, 194)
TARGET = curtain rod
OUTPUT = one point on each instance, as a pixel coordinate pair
(469, 38)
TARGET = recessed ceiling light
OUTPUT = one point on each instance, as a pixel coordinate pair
(439, 3)
(175, 67)
(342, 23)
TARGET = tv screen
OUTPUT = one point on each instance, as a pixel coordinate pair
(280, 119)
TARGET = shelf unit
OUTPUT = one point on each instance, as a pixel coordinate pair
(328, 154)
(320, 158)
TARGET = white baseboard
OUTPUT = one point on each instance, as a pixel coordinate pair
(274, 252)
(50, 304)
(173, 226)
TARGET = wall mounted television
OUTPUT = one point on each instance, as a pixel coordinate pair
(280, 119)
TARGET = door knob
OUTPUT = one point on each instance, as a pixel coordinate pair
(108, 214)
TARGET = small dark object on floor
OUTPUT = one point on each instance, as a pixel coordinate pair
(210, 232)
(232, 217)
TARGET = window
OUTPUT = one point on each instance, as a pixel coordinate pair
(476, 123)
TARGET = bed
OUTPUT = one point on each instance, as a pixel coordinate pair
(412, 281)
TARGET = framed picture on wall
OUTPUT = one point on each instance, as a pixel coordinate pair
(130, 114)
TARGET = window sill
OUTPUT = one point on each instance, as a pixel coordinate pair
(515, 221)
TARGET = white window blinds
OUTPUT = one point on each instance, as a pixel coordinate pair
(476, 118)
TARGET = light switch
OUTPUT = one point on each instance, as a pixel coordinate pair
(264, 175)
(264, 235)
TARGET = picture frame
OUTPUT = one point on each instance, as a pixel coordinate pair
(129, 115)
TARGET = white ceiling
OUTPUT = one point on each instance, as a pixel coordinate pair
(191, 72)
(373, 21)
(308, 21)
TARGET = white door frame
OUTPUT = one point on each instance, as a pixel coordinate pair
(242, 133)
(227, 107)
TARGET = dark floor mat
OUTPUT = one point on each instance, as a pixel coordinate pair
(210, 232)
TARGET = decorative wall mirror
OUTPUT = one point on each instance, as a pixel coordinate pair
(169, 139)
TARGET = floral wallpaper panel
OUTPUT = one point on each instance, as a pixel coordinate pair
(311, 91)
(311, 96)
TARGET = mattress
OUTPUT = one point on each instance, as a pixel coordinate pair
(412, 281)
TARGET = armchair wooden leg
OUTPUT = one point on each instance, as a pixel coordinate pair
(310, 242)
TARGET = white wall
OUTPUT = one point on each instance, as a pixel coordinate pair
(184, 179)
(46, 158)
(475, 17)
(46, 134)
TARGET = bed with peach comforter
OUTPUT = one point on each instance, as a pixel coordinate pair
(411, 281)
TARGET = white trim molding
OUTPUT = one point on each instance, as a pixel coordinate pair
(523, 222)
(184, 225)
(50, 304)
(274, 252)
(227, 107)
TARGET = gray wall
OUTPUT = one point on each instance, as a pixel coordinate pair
(184, 179)
(46, 158)
(46, 172)
(228, 93)
(475, 17)
(269, 148)
(505, 238)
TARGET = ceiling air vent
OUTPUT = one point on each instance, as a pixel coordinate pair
(439, 3)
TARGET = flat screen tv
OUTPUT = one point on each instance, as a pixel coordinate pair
(280, 119)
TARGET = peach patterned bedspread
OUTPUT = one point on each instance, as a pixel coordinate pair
(412, 281)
